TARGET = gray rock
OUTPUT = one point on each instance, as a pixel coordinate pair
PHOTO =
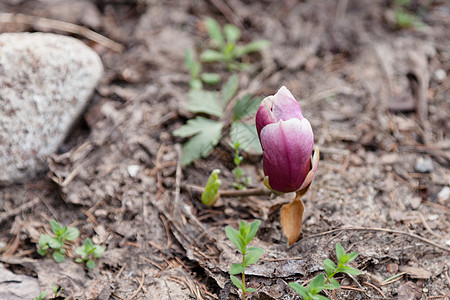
(45, 83)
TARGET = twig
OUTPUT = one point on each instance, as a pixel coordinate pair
(378, 229)
(376, 288)
(141, 284)
(46, 24)
(121, 270)
(178, 175)
(19, 209)
(230, 193)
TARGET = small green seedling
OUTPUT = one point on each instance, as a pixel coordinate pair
(320, 282)
(250, 255)
(88, 252)
(404, 18)
(227, 49)
(41, 296)
(197, 78)
(241, 181)
(62, 234)
(204, 133)
(211, 193)
(56, 293)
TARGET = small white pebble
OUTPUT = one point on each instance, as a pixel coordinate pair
(440, 75)
(444, 194)
(425, 290)
(133, 170)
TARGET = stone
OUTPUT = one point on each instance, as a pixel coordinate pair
(46, 81)
(424, 165)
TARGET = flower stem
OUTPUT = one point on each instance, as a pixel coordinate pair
(243, 275)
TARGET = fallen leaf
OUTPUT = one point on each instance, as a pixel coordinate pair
(408, 291)
(416, 272)
(291, 219)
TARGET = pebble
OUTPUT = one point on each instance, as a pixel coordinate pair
(46, 81)
(424, 165)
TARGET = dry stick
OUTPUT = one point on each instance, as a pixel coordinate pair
(231, 193)
(141, 284)
(375, 288)
(378, 229)
(19, 209)
(50, 24)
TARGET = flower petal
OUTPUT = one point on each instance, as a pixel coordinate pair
(315, 164)
(265, 115)
(285, 106)
(287, 147)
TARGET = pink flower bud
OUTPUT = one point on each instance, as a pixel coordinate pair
(287, 141)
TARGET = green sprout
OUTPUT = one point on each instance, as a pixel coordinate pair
(405, 19)
(204, 133)
(41, 296)
(56, 293)
(320, 282)
(227, 50)
(88, 252)
(250, 255)
(197, 78)
(62, 235)
(211, 193)
(241, 181)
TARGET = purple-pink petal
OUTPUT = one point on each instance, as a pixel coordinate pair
(285, 106)
(287, 147)
(265, 116)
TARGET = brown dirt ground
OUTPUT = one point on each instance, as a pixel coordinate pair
(371, 91)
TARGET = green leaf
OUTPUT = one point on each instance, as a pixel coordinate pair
(247, 137)
(90, 264)
(56, 226)
(211, 192)
(245, 106)
(88, 245)
(207, 135)
(81, 251)
(54, 243)
(252, 47)
(340, 254)
(79, 260)
(201, 101)
(98, 251)
(351, 256)
(349, 270)
(232, 33)
(319, 297)
(195, 84)
(333, 284)
(41, 296)
(42, 252)
(211, 56)
(229, 89)
(236, 269)
(234, 236)
(192, 65)
(252, 255)
(44, 239)
(210, 78)
(250, 290)
(301, 290)
(237, 282)
(317, 284)
(329, 267)
(215, 32)
(253, 229)
(71, 234)
(58, 257)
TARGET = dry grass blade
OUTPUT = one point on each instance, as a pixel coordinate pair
(46, 24)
